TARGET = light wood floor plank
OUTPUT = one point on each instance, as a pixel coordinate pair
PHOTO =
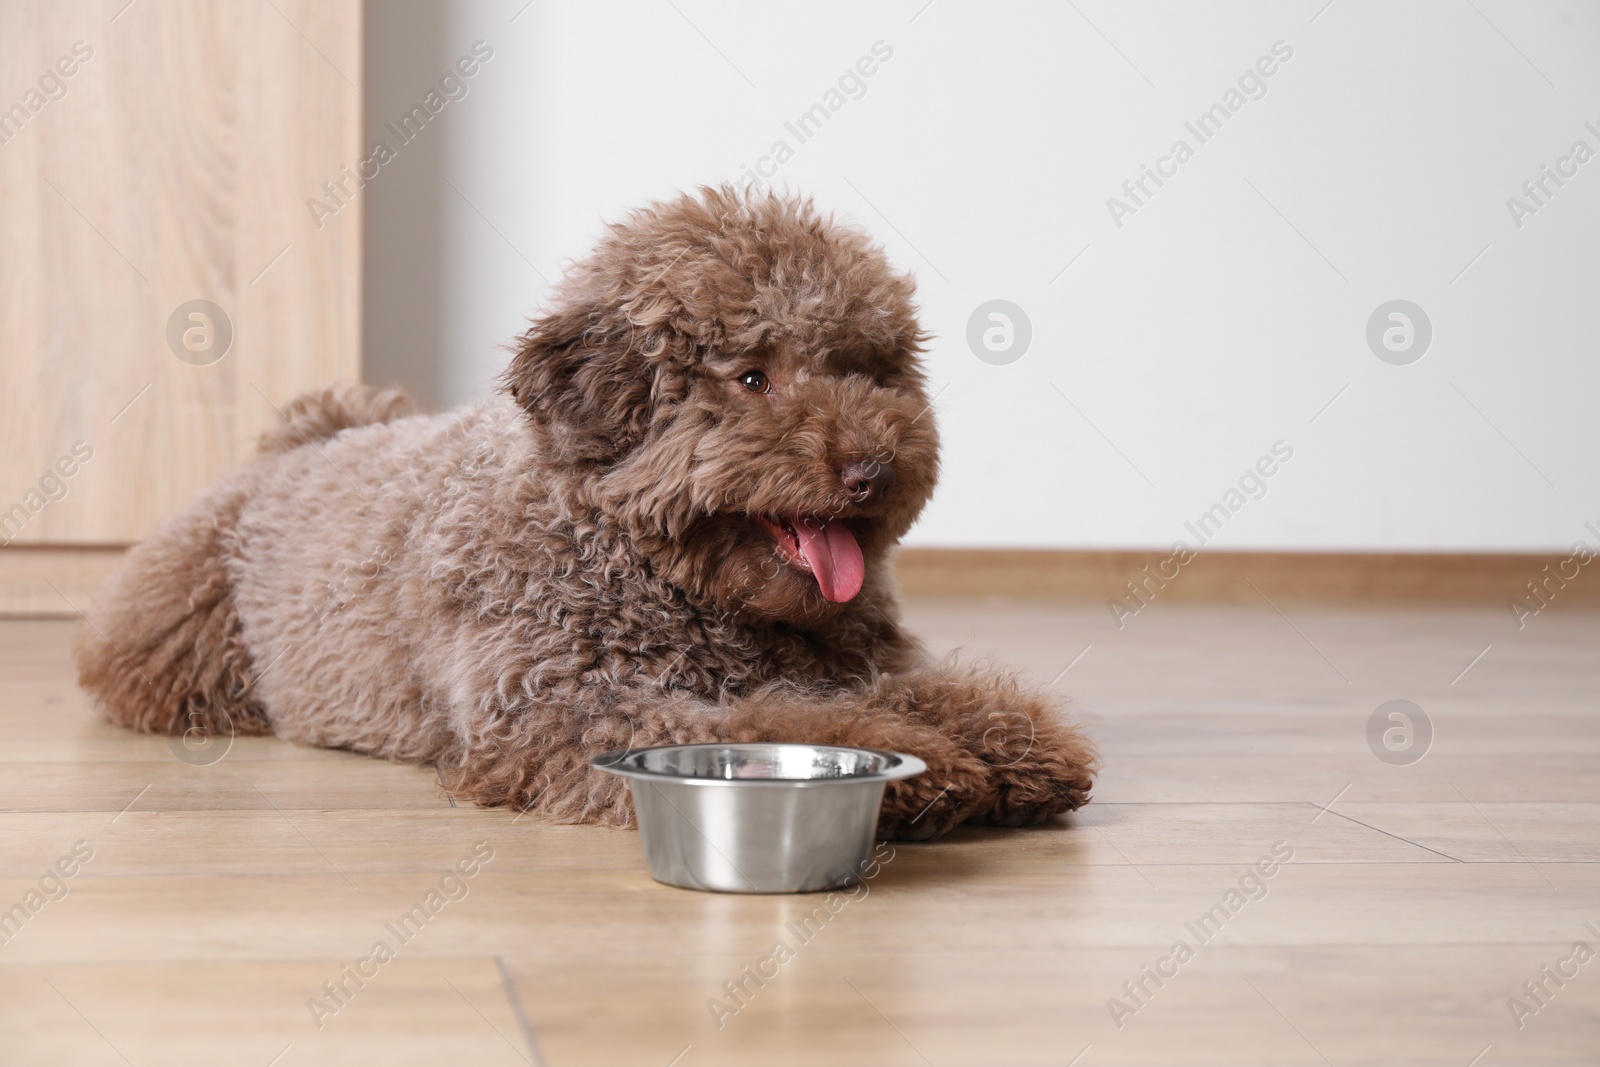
(924, 899)
(1419, 900)
(996, 1007)
(423, 1012)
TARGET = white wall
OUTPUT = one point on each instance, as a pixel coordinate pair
(1221, 317)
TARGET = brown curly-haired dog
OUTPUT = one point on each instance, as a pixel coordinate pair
(674, 527)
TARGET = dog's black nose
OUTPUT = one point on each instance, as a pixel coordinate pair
(867, 480)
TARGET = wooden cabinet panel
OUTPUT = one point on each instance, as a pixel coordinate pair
(154, 154)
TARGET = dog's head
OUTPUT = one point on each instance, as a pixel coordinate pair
(735, 380)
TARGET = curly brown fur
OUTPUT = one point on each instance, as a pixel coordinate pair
(315, 416)
(178, 661)
(674, 526)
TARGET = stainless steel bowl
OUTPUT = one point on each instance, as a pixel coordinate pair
(757, 818)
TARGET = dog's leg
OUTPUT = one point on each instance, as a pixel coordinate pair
(1038, 764)
(536, 757)
(996, 752)
(161, 650)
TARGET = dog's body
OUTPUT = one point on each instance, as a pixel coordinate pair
(674, 528)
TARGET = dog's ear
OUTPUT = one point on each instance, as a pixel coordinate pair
(586, 377)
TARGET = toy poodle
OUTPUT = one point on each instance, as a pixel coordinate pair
(673, 525)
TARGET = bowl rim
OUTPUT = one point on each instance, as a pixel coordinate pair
(901, 765)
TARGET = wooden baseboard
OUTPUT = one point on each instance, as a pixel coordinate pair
(53, 581)
(1029, 574)
(60, 581)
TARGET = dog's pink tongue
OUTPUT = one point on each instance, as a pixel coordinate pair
(834, 557)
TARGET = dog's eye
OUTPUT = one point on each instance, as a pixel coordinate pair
(755, 381)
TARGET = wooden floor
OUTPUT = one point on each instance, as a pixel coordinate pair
(223, 893)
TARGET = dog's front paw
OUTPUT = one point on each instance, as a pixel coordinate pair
(953, 789)
(1037, 767)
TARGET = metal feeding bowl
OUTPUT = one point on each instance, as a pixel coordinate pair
(757, 818)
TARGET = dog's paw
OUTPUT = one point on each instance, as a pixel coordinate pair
(1034, 765)
(953, 789)
(1037, 767)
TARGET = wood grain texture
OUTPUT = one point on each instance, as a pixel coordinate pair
(1372, 577)
(226, 887)
(174, 165)
(53, 581)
